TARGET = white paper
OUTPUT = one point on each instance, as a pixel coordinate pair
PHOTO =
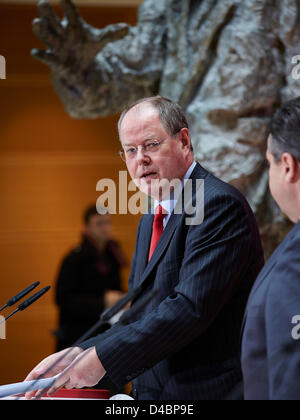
(121, 397)
(22, 387)
(11, 390)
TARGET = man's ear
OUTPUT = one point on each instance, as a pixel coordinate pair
(291, 168)
(185, 138)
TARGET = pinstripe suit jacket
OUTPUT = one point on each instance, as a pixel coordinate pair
(185, 342)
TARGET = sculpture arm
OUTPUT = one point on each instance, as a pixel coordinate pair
(97, 72)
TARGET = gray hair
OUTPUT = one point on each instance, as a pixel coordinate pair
(170, 113)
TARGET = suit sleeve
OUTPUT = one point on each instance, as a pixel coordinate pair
(217, 253)
(282, 314)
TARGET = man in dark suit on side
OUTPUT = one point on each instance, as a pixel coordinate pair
(184, 344)
(270, 344)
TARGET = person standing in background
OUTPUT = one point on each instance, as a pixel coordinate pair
(89, 279)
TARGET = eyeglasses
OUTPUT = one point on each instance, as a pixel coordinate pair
(131, 152)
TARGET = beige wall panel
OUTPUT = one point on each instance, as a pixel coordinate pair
(49, 168)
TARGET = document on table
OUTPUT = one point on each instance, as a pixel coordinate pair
(22, 387)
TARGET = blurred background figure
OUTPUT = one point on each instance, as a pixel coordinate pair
(55, 169)
(88, 282)
(89, 279)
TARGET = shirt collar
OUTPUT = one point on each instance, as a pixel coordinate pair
(169, 205)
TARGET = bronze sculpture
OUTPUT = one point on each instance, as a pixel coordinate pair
(227, 62)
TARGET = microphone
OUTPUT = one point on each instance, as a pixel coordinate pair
(20, 295)
(28, 302)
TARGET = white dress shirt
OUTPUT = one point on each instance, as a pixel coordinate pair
(170, 204)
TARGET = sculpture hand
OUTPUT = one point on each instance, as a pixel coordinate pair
(72, 46)
(71, 42)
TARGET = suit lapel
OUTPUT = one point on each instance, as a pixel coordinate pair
(160, 248)
(146, 268)
(144, 243)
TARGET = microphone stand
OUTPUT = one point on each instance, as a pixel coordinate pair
(20, 295)
(27, 302)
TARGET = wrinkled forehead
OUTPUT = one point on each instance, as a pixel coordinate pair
(142, 121)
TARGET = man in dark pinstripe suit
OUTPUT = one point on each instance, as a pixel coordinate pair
(184, 344)
(270, 341)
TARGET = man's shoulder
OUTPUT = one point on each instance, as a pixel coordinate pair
(220, 195)
(283, 284)
(75, 253)
(282, 270)
(289, 247)
(214, 186)
(287, 254)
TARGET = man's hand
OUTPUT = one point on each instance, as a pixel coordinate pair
(77, 370)
(60, 360)
(111, 297)
(85, 371)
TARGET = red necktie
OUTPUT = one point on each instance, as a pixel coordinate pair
(158, 228)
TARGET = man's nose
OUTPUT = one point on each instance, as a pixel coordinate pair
(141, 156)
